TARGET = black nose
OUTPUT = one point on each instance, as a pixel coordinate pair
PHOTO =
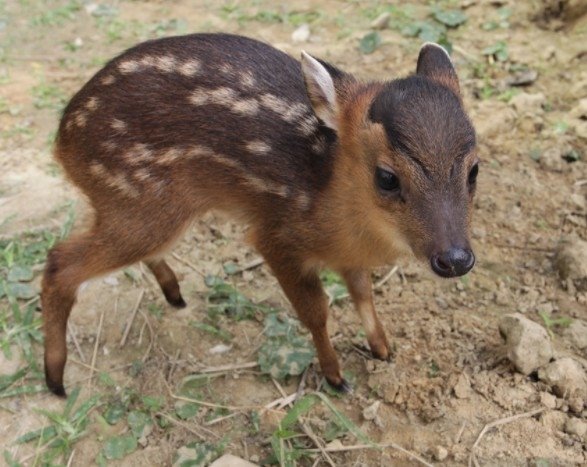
(453, 262)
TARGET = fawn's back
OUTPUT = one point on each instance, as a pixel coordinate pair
(195, 121)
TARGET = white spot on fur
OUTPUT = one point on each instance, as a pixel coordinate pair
(109, 146)
(92, 104)
(258, 147)
(199, 97)
(199, 151)
(223, 96)
(118, 125)
(319, 146)
(226, 68)
(308, 125)
(247, 79)
(303, 201)
(114, 180)
(190, 68)
(129, 66)
(80, 119)
(165, 63)
(148, 61)
(142, 175)
(288, 111)
(138, 153)
(108, 80)
(170, 156)
(246, 107)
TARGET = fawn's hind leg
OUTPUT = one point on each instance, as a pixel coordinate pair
(167, 281)
(83, 257)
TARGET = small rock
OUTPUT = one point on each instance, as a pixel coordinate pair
(576, 333)
(228, 460)
(571, 262)
(110, 280)
(526, 103)
(548, 400)
(301, 34)
(382, 21)
(219, 349)
(578, 201)
(528, 344)
(463, 387)
(439, 453)
(576, 426)
(553, 419)
(370, 413)
(552, 159)
(567, 378)
(335, 444)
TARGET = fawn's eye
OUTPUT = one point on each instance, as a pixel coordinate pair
(473, 174)
(386, 180)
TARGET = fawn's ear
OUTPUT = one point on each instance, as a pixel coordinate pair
(435, 64)
(321, 90)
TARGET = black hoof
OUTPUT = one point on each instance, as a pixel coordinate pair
(57, 389)
(176, 302)
(343, 387)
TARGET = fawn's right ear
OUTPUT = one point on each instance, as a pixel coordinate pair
(321, 90)
(435, 63)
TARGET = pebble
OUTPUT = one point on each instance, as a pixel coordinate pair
(382, 21)
(370, 413)
(228, 460)
(576, 333)
(526, 103)
(548, 400)
(571, 262)
(567, 379)
(301, 34)
(439, 453)
(528, 345)
(462, 388)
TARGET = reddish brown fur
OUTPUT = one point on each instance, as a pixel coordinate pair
(175, 127)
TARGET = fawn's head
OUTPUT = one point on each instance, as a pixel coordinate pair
(406, 157)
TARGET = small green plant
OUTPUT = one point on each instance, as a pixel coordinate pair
(550, 322)
(285, 352)
(48, 96)
(498, 51)
(66, 428)
(57, 16)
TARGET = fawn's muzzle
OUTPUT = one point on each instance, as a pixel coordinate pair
(453, 262)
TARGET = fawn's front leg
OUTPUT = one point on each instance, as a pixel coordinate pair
(360, 288)
(304, 291)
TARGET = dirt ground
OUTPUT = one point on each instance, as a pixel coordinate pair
(450, 375)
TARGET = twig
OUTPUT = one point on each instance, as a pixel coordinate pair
(357, 447)
(72, 334)
(250, 265)
(151, 337)
(187, 427)
(227, 368)
(70, 460)
(581, 182)
(385, 278)
(94, 355)
(501, 421)
(188, 263)
(525, 247)
(460, 433)
(131, 318)
(220, 419)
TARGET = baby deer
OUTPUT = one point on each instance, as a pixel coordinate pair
(325, 169)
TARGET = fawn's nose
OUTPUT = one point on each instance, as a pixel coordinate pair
(453, 262)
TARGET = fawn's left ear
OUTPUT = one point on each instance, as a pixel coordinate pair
(435, 64)
(321, 90)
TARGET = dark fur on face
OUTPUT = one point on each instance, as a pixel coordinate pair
(424, 121)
